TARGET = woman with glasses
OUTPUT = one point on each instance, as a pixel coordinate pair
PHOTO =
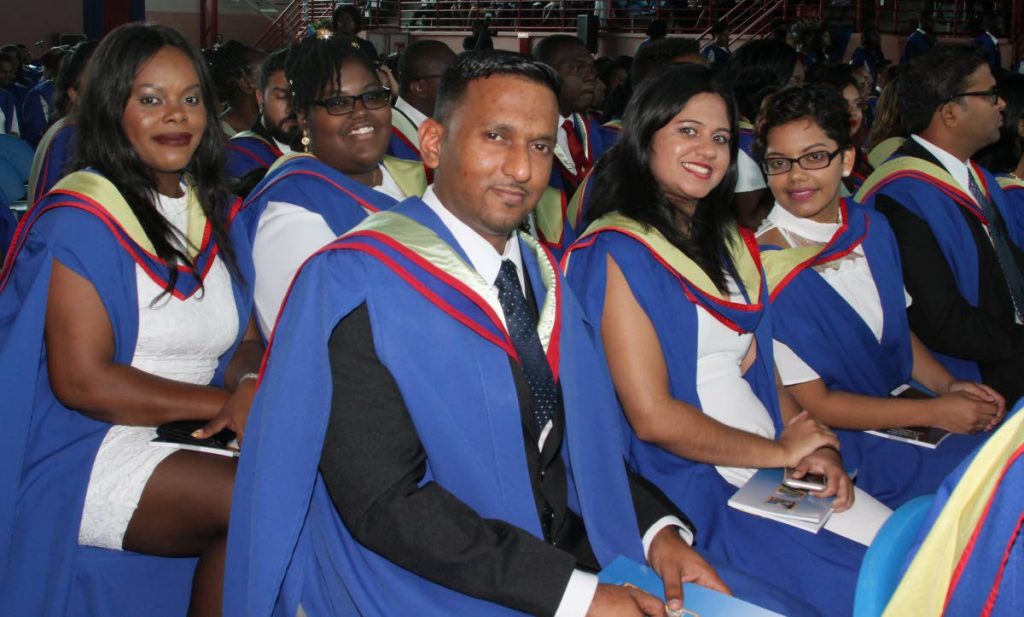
(676, 289)
(843, 346)
(308, 199)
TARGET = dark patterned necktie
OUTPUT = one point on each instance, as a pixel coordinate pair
(1004, 254)
(576, 150)
(522, 328)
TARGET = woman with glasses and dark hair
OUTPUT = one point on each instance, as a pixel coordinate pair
(125, 305)
(678, 292)
(309, 198)
(843, 346)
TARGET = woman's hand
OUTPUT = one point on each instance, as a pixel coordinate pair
(233, 415)
(963, 411)
(828, 463)
(802, 436)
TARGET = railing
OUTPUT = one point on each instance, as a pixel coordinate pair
(745, 18)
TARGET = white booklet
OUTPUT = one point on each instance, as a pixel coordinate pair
(765, 495)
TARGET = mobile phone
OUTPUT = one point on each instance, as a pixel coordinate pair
(810, 481)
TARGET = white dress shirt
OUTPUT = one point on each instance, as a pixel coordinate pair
(416, 116)
(562, 146)
(579, 593)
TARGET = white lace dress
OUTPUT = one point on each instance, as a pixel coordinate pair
(180, 340)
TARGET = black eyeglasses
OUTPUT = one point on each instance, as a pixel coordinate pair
(819, 159)
(992, 94)
(344, 105)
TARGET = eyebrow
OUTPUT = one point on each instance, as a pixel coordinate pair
(804, 151)
(501, 126)
(691, 120)
(195, 86)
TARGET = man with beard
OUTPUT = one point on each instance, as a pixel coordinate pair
(960, 242)
(252, 152)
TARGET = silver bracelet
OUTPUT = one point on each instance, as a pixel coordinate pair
(247, 377)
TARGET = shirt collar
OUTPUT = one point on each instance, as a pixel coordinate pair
(283, 147)
(416, 116)
(482, 256)
(955, 167)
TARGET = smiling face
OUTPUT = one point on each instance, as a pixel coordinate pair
(278, 114)
(493, 155)
(690, 155)
(353, 143)
(807, 193)
(165, 116)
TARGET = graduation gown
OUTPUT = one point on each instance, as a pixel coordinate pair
(811, 318)
(47, 451)
(821, 569)
(287, 545)
(249, 150)
(52, 159)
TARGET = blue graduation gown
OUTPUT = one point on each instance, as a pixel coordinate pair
(930, 193)
(821, 569)
(47, 449)
(36, 112)
(54, 153)
(822, 329)
(248, 151)
(287, 545)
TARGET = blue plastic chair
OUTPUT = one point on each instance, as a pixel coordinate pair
(18, 153)
(879, 572)
(12, 183)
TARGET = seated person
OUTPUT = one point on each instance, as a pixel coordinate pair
(960, 241)
(252, 152)
(676, 289)
(53, 157)
(308, 199)
(1005, 158)
(841, 78)
(842, 342)
(471, 459)
(126, 304)
(581, 142)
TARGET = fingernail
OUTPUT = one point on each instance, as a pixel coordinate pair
(675, 604)
(198, 433)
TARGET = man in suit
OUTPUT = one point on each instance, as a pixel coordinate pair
(920, 40)
(959, 242)
(419, 74)
(472, 460)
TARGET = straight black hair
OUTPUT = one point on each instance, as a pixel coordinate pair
(71, 68)
(623, 181)
(474, 65)
(101, 142)
(273, 63)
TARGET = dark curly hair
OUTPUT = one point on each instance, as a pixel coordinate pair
(314, 64)
(623, 182)
(820, 103)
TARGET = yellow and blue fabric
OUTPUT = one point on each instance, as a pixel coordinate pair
(883, 150)
(304, 180)
(287, 545)
(52, 160)
(821, 569)
(929, 192)
(47, 449)
(969, 556)
(1013, 189)
(811, 318)
(248, 151)
(557, 225)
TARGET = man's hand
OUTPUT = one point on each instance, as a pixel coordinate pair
(828, 463)
(676, 563)
(621, 601)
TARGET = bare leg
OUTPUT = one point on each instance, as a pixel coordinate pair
(184, 511)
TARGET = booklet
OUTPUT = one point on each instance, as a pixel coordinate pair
(765, 495)
(924, 436)
(179, 435)
(698, 601)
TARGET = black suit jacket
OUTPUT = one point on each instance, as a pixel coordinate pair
(939, 315)
(373, 464)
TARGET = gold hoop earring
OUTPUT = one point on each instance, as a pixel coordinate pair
(305, 140)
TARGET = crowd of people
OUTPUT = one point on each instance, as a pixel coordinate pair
(480, 323)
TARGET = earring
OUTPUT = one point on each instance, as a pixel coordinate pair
(846, 174)
(305, 140)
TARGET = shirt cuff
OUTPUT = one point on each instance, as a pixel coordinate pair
(579, 593)
(684, 532)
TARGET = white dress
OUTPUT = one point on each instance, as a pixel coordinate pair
(727, 397)
(180, 340)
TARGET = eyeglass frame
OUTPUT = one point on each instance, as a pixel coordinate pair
(351, 108)
(992, 93)
(831, 157)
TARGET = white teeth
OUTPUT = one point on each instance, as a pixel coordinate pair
(361, 130)
(700, 169)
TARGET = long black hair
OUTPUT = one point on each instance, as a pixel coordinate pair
(68, 77)
(101, 142)
(623, 181)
